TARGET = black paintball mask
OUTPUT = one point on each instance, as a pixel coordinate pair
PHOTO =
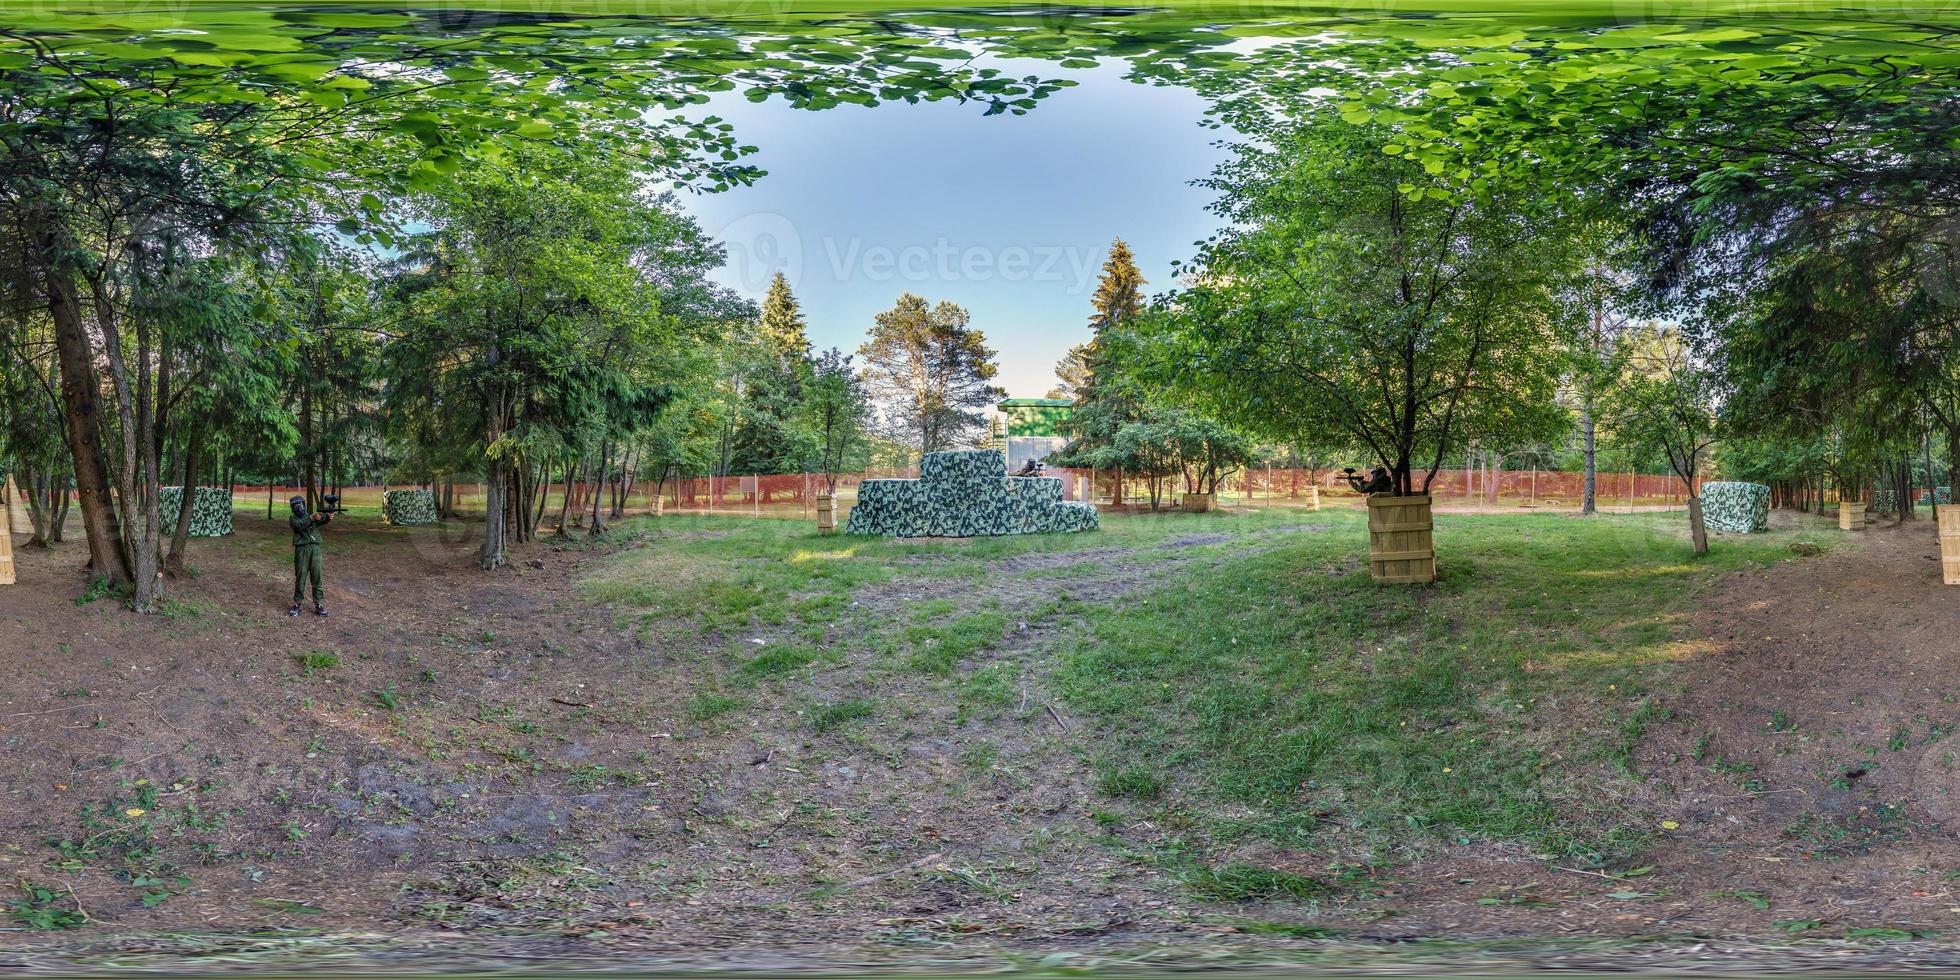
(299, 506)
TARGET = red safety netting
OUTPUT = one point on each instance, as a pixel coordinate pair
(797, 492)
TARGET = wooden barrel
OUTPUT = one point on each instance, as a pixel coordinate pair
(6, 548)
(16, 504)
(1313, 496)
(1851, 515)
(1197, 503)
(1400, 548)
(1949, 517)
(826, 514)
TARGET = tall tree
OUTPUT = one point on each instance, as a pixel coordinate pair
(538, 315)
(1073, 372)
(1119, 291)
(781, 323)
(1343, 295)
(834, 411)
(773, 363)
(1106, 399)
(932, 371)
(1664, 402)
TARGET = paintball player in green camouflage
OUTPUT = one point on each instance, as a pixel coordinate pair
(307, 564)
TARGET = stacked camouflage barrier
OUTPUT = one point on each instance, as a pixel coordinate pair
(210, 511)
(963, 495)
(1887, 501)
(1742, 508)
(408, 506)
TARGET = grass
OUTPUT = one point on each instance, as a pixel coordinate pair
(940, 644)
(1289, 683)
(1245, 882)
(731, 574)
(1275, 692)
(830, 717)
(315, 661)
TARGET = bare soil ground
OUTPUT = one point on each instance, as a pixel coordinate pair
(1800, 775)
(495, 768)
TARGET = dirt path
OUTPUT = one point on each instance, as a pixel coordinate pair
(495, 757)
(493, 754)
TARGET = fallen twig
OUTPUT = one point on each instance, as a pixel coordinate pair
(893, 873)
(1052, 713)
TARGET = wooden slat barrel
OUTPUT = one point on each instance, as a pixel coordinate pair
(1950, 543)
(1400, 548)
(1851, 515)
(1313, 496)
(6, 548)
(16, 504)
(826, 514)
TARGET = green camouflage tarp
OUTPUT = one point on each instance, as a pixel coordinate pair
(963, 495)
(210, 511)
(409, 506)
(1742, 508)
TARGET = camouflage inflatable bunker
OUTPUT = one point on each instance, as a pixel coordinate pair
(1742, 508)
(963, 495)
(409, 506)
(210, 511)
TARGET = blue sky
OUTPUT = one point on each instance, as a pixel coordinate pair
(1008, 216)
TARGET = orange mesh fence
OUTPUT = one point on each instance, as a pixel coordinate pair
(797, 492)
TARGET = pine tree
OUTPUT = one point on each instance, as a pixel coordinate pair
(1104, 400)
(1119, 295)
(782, 325)
(932, 371)
(1118, 298)
(1073, 372)
(765, 438)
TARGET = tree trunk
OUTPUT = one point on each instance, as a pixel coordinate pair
(1902, 482)
(137, 477)
(496, 482)
(494, 550)
(58, 524)
(624, 487)
(174, 565)
(598, 492)
(1589, 432)
(514, 503)
(541, 490)
(81, 395)
(309, 466)
(565, 502)
(36, 494)
(1697, 531)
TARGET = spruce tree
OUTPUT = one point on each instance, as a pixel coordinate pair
(766, 438)
(782, 326)
(1119, 294)
(1104, 401)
